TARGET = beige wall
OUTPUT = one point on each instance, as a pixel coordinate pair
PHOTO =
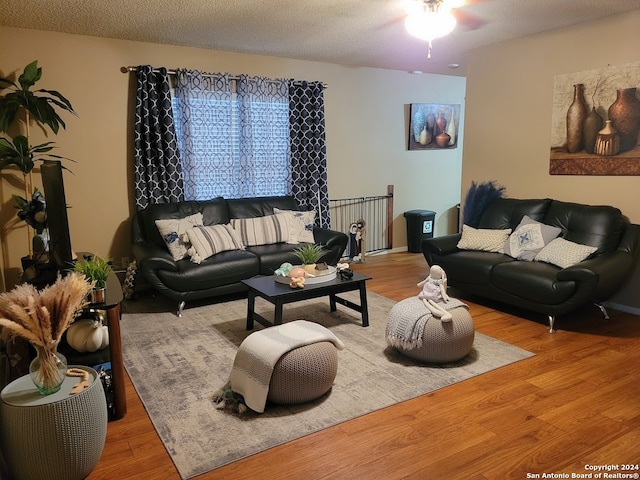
(366, 118)
(508, 116)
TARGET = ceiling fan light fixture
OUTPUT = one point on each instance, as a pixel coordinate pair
(428, 20)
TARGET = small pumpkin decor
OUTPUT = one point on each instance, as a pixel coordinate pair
(88, 334)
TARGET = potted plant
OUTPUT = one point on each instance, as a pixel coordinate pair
(96, 270)
(309, 254)
(22, 105)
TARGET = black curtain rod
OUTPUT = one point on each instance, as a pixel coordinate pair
(173, 72)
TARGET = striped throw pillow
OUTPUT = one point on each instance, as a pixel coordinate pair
(262, 230)
(209, 240)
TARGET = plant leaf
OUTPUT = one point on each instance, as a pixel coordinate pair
(41, 103)
(63, 102)
(30, 75)
(5, 83)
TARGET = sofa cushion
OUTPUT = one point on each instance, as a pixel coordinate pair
(209, 240)
(172, 231)
(487, 240)
(222, 269)
(564, 253)
(259, 206)
(533, 281)
(600, 226)
(214, 211)
(470, 266)
(508, 212)
(300, 225)
(529, 237)
(262, 230)
(274, 255)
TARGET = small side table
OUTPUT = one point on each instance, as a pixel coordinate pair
(57, 436)
(113, 312)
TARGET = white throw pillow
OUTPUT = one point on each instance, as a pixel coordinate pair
(262, 230)
(212, 239)
(172, 230)
(529, 237)
(564, 253)
(487, 240)
(300, 224)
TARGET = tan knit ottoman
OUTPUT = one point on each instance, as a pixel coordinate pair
(442, 342)
(304, 374)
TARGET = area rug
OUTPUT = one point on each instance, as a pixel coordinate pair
(178, 364)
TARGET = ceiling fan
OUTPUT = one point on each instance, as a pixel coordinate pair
(431, 19)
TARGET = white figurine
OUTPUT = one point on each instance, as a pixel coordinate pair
(434, 291)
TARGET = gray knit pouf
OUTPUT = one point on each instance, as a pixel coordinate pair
(441, 341)
(304, 374)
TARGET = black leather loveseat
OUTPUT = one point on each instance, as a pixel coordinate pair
(540, 286)
(221, 274)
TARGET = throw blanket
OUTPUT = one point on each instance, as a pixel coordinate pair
(407, 320)
(260, 351)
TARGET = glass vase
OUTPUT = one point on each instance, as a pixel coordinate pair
(47, 370)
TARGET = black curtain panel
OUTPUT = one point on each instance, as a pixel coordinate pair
(308, 149)
(158, 174)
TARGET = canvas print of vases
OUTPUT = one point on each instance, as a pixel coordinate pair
(597, 117)
(433, 126)
(589, 131)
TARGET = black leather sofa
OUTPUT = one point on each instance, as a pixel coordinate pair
(220, 274)
(539, 286)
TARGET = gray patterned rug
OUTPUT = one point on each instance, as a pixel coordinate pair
(177, 365)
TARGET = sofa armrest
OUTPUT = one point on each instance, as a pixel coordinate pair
(333, 241)
(606, 272)
(152, 257)
(441, 245)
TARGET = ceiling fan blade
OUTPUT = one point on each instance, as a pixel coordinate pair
(467, 20)
(392, 22)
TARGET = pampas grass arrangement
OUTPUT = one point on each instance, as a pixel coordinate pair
(478, 197)
(41, 317)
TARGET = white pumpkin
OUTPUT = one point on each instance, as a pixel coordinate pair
(86, 335)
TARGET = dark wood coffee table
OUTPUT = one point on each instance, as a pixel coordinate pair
(280, 294)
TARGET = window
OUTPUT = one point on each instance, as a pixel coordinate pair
(232, 144)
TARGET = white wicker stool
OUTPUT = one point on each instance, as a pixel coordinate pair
(442, 342)
(57, 436)
(304, 374)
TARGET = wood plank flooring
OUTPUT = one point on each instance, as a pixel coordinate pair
(575, 403)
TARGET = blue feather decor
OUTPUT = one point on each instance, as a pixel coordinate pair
(478, 197)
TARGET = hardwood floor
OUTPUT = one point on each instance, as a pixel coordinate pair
(575, 403)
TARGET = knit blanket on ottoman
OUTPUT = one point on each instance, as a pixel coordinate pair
(260, 351)
(407, 320)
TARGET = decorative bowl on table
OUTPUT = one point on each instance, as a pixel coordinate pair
(319, 276)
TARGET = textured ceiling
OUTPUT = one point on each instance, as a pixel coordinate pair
(367, 33)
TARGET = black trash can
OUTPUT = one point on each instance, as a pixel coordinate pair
(419, 228)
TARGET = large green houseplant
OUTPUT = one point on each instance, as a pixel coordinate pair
(21, 105)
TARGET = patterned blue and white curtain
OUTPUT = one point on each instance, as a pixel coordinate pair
(308, 149)
(158, 175)
(264, 131)
(203, 103)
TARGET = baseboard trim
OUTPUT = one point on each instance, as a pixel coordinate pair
(623, 308)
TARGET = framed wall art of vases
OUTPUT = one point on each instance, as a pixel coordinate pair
(596, 122)
(433, 126)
